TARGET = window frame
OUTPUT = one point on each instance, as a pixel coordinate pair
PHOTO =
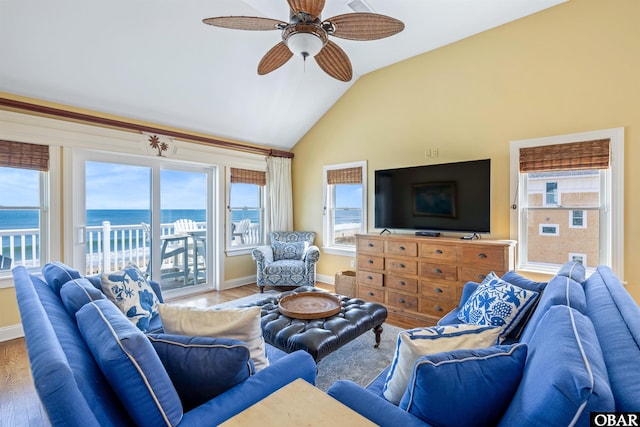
(572, 218)
(555, 193)
(612, 184)
(247, 248)
(328, 191)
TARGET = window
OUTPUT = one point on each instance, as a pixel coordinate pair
(345, 206)
(579, 176)
(578, 219)
(245, 211)
(551, 194)
(549, 230)
(23, 205)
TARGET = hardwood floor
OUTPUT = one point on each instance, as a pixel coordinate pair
(19, 402)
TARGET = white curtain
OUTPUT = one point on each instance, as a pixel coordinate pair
(280, 194)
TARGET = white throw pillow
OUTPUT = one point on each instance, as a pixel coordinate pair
(415, 343)
(237, 323)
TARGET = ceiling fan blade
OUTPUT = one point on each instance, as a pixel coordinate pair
(245, 23)
(335, 62)
(312, 7)
(274, 59)
(364, 26)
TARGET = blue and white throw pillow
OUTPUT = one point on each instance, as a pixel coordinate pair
(289, 250)
(497, 303)
(129, 290)
(415, 343)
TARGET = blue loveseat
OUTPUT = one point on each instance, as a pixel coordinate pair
(582, 345)
(74, 389)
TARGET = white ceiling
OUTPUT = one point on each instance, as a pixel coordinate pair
(154, 60)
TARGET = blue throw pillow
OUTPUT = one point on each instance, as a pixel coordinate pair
(131, 292)
(201, 367)
(524, 283)
(57, 274)
(130, 365)
(497, 303)
(76, 293)
(488, 379)
(565, 378)
(289, 250)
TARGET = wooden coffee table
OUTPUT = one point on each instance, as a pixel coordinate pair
(298, 404)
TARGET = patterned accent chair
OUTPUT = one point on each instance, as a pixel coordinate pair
(290, 260)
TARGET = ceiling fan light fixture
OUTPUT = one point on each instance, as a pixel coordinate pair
(304, 44)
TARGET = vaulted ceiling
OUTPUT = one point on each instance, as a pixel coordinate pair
(156, 61)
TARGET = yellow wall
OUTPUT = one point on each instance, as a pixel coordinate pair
(572, 68)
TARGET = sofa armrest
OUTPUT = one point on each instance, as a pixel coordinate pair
(156, 288)
(296, 365)
(312, 256)
(372, 407)
(467, 290)
(262, 255)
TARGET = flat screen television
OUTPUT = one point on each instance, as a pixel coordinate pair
(441, 197)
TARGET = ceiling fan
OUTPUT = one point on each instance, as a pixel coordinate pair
(307, 35)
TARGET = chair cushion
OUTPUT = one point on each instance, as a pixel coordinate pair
(76, 293)
(130, 364)
(497, 303)
(565, 377)
(491, 377)
(129, 290)
(57, 274)
(289, 250)
(201, 367)
(414, 343)
(236, 323)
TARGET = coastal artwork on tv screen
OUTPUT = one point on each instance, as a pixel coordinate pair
(435, 199)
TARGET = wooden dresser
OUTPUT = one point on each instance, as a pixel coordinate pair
(420, 279)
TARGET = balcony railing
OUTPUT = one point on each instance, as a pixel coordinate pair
(126, 244)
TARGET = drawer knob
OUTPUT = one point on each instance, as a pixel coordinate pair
(401, 283)
(437, 271)
(402, 248)
(482, 256)
(438, 308)
(370, 245)
(370, 294)
(438, 290)
(401, 300)
(401, 265)
(369, 277)
(481, 276)
(439, 251)
(370, 261)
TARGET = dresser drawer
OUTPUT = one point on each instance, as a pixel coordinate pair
(401, 248)
(371, 294)
(477, 274)
(370, 245)
(404, 283)
(484, 256)
(401, 266)
(445, 292)
(406, 302)
(439, 252)
(370, 262)
(435, 308)
(369, 278)
(439, 271)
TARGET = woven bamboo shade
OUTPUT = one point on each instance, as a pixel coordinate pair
(24, 156)
(572, 156)
(344, 176)
(247, 176)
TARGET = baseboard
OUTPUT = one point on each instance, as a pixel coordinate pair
(329, 280)
(8, 333)
(239, 281)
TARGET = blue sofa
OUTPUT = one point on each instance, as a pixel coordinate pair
(74, 390)
(583, 349)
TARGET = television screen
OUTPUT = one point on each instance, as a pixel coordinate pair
(444, 197)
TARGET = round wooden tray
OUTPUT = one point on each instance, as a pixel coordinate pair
(309, 305)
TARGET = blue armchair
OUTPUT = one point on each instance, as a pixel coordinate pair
(290, 260)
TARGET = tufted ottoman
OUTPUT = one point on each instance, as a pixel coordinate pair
(319, 337)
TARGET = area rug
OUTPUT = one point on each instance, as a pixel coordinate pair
(357, 361)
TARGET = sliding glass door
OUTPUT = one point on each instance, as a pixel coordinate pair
(151, 213)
